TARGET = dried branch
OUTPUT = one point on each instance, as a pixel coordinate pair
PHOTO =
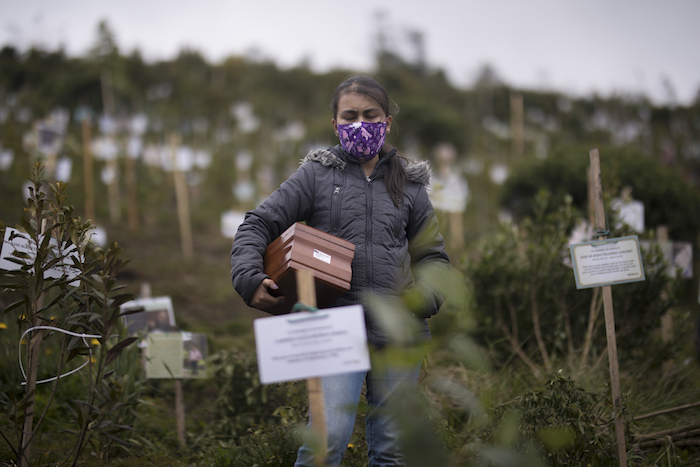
(665, 411)
(515, 344)
(594, 310)
(536, 326)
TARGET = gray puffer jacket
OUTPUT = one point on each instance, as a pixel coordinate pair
(330, 192)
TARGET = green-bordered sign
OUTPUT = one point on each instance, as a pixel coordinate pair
(607, 262)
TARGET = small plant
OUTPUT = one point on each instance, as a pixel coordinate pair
(244, 402)
(568, 425)
(84, 315)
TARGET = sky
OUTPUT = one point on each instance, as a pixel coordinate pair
(579, 47)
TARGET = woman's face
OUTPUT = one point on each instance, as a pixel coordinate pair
(355, 107)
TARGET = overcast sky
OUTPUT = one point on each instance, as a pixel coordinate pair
(574, 46)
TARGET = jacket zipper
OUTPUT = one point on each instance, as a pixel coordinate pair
(335, 210)
(368, 240)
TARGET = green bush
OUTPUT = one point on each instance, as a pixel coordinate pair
(568, 425)
(243, 402)
(528, 305)
(668, 199)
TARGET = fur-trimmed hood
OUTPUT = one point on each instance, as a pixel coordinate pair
(418, 172)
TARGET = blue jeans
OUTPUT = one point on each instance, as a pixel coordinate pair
(342, 396)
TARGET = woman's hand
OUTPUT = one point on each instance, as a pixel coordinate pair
(262, 298)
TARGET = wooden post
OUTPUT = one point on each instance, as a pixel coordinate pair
(456, 231)
(132, 202)
(113, 187)
(179, 400)
(609, 317)
(667, 318)
(306, 291)
(591, 200)
(516, 125)
(180, 412)
(89, 177)
(113, 191)
(183, 206)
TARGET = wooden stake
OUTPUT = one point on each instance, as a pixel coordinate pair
(183, 206)
(516, 125)
(306, 291)
(180, 412)
(667, 318)
(132, 202)
(591, 201)
(113, 191)
(609, 317)
(179, 400)
(89, 180)
(456, 231)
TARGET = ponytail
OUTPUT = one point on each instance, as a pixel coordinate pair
(395, 178)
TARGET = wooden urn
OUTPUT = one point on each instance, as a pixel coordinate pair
(301, 247)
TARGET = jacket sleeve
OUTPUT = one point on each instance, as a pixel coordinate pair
(427, 248)
(290, 203)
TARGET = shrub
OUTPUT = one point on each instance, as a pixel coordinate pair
(570, 426)
(528, 305)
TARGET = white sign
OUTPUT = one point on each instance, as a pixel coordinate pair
(678, 256)
(630, 212)
(138, 124)
(607, 262)
(230, 221)
(244, 190)
(134, 147)
(97, 236)
(6, 158)
(64, 168)
(311, 344)
(449, 193)
(156, 315)
(22, 243)
(105, 148)
(109, 174)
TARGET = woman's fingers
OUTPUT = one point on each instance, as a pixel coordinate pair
(262, 298)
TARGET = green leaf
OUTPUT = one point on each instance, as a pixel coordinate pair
(114, 352)
(16, 304)
(556, 437)
(116, 440)
(131, 311)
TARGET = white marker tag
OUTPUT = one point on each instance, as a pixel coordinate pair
(326, 258)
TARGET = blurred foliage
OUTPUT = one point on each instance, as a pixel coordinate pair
(566, 424)
(668, 199)
(528, 304)
(244, 402)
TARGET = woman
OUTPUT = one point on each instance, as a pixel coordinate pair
(363, 192)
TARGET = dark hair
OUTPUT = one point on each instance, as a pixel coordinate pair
(395, 178)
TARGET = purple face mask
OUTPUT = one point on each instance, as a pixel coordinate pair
(361, 139)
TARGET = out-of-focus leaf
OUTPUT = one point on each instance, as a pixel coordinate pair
(114, 352)
(556, 437)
